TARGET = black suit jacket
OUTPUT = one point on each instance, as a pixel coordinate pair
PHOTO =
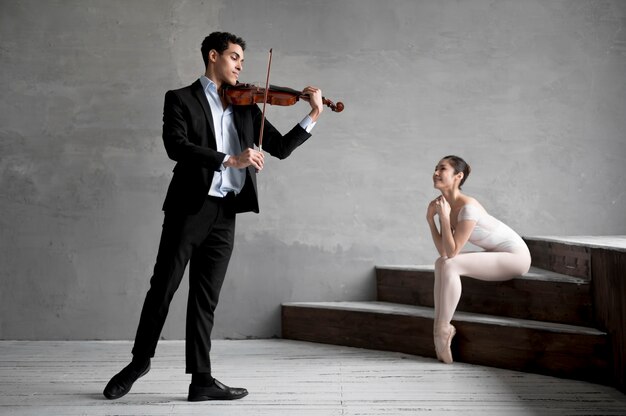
(189, 138)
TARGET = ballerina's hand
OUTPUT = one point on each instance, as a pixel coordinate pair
(443, 207)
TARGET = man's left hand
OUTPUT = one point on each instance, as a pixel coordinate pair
(314, 97)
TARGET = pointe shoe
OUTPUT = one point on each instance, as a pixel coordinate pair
(435, 339)
(443, 342)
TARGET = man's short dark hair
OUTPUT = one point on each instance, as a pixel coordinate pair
(219, 41)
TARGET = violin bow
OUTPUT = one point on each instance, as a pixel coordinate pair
(267, 87)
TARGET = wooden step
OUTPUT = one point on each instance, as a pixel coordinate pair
(523, 345)
(560, 256)
(538, 295)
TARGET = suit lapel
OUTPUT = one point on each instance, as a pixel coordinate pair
(248, 196)
(206, 108)
(241, 133)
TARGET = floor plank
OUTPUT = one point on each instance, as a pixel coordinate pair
(284, 378)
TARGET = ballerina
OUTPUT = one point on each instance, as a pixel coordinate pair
(462, 219)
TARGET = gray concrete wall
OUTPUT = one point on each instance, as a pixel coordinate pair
(531, 93)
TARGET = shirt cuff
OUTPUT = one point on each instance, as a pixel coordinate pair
(226, 157)
(307, 123)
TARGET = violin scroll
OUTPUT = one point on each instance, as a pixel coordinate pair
(337, 108)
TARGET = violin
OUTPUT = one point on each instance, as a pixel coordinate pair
(247, 94)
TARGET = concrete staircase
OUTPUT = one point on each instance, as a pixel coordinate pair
(545, 321)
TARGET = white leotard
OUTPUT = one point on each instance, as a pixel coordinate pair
(490, 233)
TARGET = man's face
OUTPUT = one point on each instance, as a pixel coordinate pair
(228, 64)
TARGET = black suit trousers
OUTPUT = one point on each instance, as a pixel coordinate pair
(205, 241)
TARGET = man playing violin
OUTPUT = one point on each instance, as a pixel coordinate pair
(213, 145)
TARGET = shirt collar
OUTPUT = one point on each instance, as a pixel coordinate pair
(207, 84)
(209, 87)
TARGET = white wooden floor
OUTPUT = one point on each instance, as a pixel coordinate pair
(284, 378)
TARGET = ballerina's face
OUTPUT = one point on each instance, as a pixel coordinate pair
(444, 176)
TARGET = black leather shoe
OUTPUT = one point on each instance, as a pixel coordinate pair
(121, 383)
(217, 391)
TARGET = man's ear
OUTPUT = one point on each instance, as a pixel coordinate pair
(213, 55)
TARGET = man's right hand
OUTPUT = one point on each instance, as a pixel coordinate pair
(246, 158)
